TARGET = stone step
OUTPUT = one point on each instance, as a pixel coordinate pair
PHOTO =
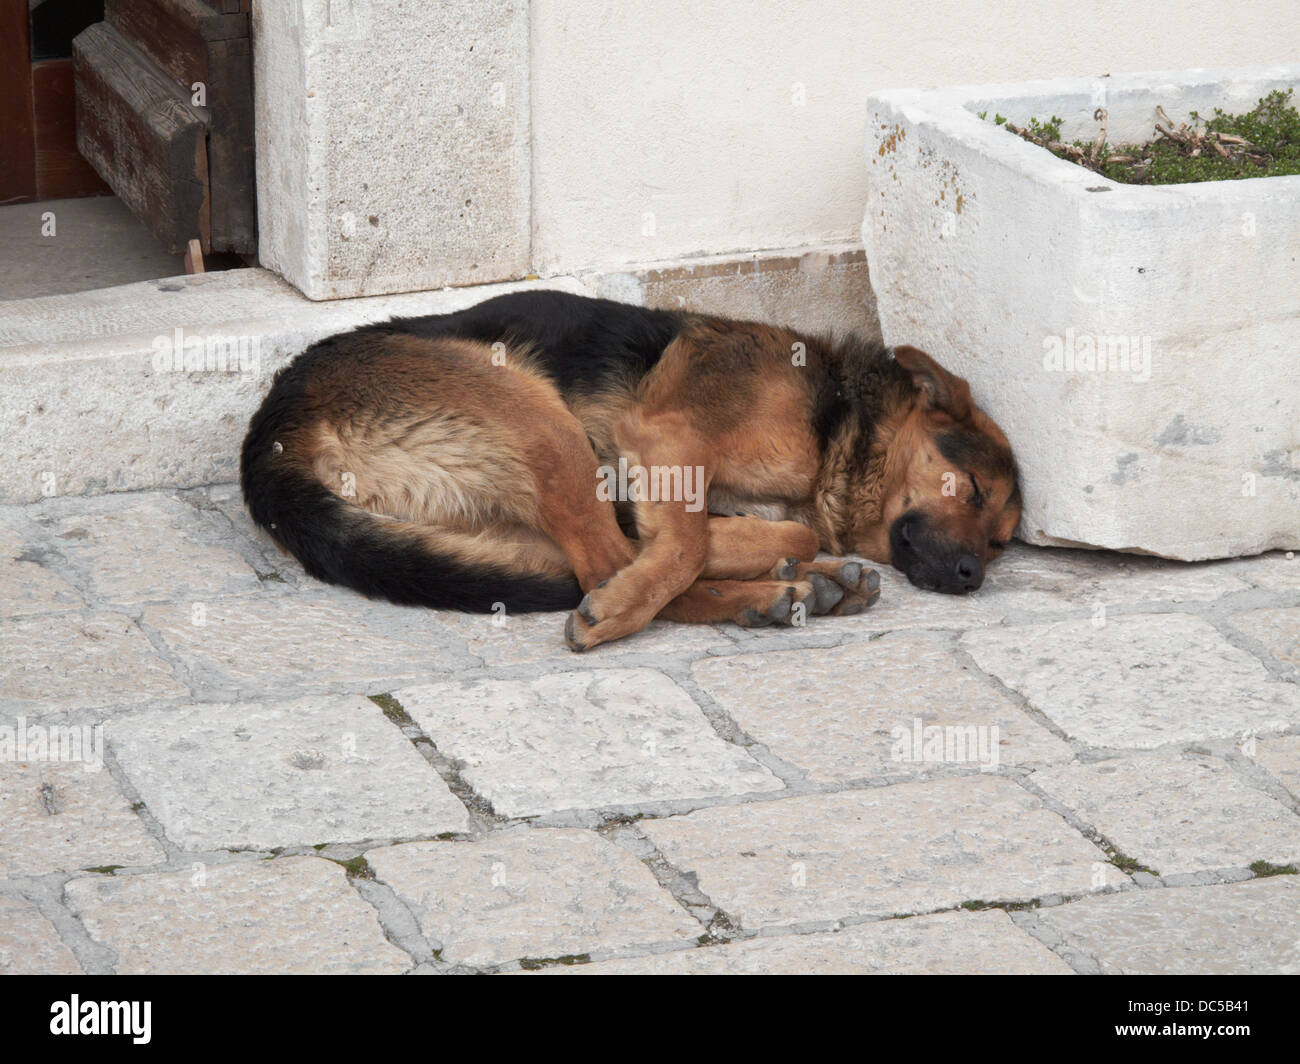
(94, 400)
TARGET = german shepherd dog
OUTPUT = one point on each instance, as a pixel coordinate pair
(480, 460)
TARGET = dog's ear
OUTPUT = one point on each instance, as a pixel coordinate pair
(942, 390)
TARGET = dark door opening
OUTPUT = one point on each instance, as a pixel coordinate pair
(126, 142)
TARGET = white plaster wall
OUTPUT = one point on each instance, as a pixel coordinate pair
(689, 109)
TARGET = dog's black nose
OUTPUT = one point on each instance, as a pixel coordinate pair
(969, 572)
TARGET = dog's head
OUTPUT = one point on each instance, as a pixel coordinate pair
(948, 498)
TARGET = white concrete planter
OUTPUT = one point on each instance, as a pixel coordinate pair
(1026, 273)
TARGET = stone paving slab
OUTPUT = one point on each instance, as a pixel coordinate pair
(1177, 815)
(588, 739)
(1281, 756)
(59, 817)
(253, 646)
(1234, 929)
(228, 501)
(291, 915)
(79, 661)
(980, 943)
(870, 710)
(530, 893)
(27, 586)
(1023, 582)
(1275, 571)
(537, 638)
(29, 944)
(1028, 579)
(323, 769)
(143, 548)
(1278, 630)
(231, 687)
(1138, 682)
(906, 848)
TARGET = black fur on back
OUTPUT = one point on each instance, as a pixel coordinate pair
(581, 343)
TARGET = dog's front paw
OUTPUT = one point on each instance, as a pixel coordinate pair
(843, 586)
(861, 588)
(612, 610)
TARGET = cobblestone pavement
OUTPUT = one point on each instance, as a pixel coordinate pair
(1091, 765)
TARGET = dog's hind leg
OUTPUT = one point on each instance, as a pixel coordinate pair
(841, 591)
(751, 603)
(565, 473)
(762, 572)
(674, 540)
(447, 436)
(746, 548)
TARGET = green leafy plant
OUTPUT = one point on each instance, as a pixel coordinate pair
(1262, 142)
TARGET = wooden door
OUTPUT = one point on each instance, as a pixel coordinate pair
(164, 108)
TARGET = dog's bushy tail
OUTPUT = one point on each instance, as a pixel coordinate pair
(378, 556)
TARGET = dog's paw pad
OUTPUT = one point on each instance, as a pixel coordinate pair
(827, 594)
(780, 610)
(864, 592)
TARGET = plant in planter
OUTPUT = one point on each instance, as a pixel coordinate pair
(1263, 142)
(1139, 343)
